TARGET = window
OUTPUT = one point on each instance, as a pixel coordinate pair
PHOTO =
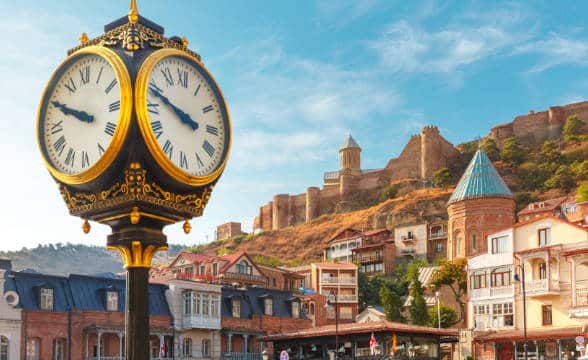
(112, 301)
(33, 349)
(458, 246)
(482, 309)
(244, 268)
(500, 245)
(500, 278)
(409, 235)
(236, 308)
(196, 304)
(46, 299)
(3, 348)
(189, 270)
(345, 313)
(546, 311)
(474, 242)
(502, 315)
(58, 349)
(478, 281)
(544, 237)
(439, 248)
(187, 347)
(205, 304)
(205, 348)
(187, 303)
(542, 271)
(274, 282)
(214, 269)
(202, 270)
(295, 309)
(268, 306)
(214, 306)
(379, 267)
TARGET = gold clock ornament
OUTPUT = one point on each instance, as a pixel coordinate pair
(182, 117)
(84, 115)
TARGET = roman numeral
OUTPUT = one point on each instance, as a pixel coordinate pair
(168, 76)
(110, 86)
(110, 128)
(155, 88)
(197, 89)
(199, 161)
(85, 75)
(183, 160)
(157, 128)
(152, 107)
(168, 149)
(99, 74)
(85, 159)
(55, 128)
(59, 145)
(115, 106)
(100, 149)
(208, 148)
(71, 157)
(71, 86)
(183, 78)
(213, 130)
(207, 109)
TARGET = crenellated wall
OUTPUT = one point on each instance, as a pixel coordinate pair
(421, 157)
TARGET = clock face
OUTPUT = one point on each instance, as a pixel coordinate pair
(187, 116)
(80, 113)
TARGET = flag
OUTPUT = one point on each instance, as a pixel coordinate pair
(373, 345)
(394, 345)
(162, 349)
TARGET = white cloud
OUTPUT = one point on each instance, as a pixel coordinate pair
(553, 51)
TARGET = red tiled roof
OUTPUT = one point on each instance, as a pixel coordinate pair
(548, 205)
(193, 257)
(332, 238)
(336, 265)
(374, 232)
(358, 328)
(543, 333)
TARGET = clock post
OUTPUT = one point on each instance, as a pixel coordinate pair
(144, 153)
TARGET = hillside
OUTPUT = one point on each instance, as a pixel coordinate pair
(62, 259)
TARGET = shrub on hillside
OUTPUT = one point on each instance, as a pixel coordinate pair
(533, 176)
(442, 178)
(550, 152)
(512, 153)
(582, 194)
(389, 192)
(580, 170)
(490, 148)
(572, 130)
(562, 179)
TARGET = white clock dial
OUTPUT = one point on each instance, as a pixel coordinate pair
(80, 114)
(187, 116)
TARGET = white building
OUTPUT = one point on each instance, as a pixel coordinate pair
(490, 288)
(10, 318)
(195, 307)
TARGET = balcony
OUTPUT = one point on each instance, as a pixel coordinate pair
(190, 321)
(244, 278)
(540, 287)
(346, 298)
(339, 280)
(407, 251)
(438, 235)
(491, 292)
(407, 239)
(580, 308)
(365, 259)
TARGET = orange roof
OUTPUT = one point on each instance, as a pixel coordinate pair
(358, 328)
(374, 232)
(193, 257)
(541, 333)
(336, 265)
(542, 206)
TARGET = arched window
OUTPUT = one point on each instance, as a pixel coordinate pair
(187, 347)
(33, 348)
(205, 348)
(474, 242)
(3, 348)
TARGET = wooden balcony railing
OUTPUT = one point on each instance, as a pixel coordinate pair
(368, 258)
(244, 277)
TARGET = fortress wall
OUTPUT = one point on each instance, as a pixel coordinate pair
(373, 180)
(280, 211)
(313, 203)
(297, 212)
(408, 164)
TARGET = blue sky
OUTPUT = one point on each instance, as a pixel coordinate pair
(298, 76)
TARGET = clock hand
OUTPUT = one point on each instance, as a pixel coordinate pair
(80, 115)
(184, 117)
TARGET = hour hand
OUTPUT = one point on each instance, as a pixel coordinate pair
(79, 114)
(184, 117)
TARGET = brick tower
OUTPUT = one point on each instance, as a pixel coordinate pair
(350, 167)
(480, 204)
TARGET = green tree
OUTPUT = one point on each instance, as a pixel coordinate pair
(533, 175)
(490, 148)
(448, 316)
(550, 152)
(562, 179)
(572, 129)
(453, 275)
(369, 290)
(580, 170)
(442, 177)
(512, 153)
(582, 194)
(418, 306)
(392, 303)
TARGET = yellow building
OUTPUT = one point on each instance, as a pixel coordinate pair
(554, 256)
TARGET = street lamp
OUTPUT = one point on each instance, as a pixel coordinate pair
(332, 299)
(522, 281)
(438, 308)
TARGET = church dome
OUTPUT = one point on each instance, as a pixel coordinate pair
(350, 143)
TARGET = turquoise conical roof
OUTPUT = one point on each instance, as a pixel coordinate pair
(480, 179)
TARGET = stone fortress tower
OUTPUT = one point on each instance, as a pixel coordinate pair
(421, 157)
(480, 205)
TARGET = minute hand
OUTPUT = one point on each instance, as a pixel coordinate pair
(184, 117)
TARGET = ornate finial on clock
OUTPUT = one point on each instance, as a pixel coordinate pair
(133, 12)
(84, 38)
(86, 226)
(184, 42)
